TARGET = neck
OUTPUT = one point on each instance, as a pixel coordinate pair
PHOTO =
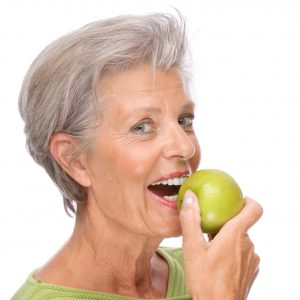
(102, 255)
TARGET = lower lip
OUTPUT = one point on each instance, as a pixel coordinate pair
(163, 201)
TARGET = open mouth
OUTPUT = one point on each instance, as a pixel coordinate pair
(168, 188)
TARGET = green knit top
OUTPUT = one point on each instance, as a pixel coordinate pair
(34, 289)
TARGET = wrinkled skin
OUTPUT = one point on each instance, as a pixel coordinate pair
(225, 266)
(146, 133)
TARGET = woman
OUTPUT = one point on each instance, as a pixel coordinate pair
(108, 114)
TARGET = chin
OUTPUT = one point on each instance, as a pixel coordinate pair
(173, 235)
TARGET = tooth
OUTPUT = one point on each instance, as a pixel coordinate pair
(171, 198)
(182, 179)
(176, 181)
(170, 181)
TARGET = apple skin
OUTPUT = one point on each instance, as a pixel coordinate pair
(219, 196)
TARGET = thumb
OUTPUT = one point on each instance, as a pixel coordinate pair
(190, 219)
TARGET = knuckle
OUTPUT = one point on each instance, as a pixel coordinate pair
(259, 210)
(247, 245)
(255, 263)
(256, 207)
(256, 259)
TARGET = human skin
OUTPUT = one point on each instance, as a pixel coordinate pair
(226, 266)
(145, 134)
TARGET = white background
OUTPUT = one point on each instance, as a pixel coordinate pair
(247, 78)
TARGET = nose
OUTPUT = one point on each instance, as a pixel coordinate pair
(178, 144)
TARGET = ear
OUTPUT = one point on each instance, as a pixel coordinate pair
(62, 148)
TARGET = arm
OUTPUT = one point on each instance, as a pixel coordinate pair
(226, 266)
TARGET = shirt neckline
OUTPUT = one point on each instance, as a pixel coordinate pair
(159, 250)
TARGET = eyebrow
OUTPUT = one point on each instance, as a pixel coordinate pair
(146, 109)
(189, 104)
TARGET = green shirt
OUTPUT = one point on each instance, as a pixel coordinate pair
(34, 289)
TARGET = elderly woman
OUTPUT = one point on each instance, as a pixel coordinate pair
(109, 115)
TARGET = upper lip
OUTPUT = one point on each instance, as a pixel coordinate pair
(173, 175)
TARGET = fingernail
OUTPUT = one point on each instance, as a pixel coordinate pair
(187, 201)
(188, 198)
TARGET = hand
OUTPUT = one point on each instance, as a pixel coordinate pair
(223, 267)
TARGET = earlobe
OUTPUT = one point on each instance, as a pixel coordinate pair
(64, 149)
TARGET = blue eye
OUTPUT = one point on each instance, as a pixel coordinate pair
(143, 127)
(186, 121)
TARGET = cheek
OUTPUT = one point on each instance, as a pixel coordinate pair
(133, 165)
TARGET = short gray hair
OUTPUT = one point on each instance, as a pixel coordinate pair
(59, 89)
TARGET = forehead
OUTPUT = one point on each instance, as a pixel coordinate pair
(142, 82)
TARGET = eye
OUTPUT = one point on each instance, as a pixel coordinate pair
(186, 121)
(143, 127)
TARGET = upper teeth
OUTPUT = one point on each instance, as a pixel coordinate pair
(172, 181)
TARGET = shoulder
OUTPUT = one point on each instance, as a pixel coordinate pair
(25, 290)
(34, 289)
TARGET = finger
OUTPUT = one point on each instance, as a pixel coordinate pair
(190, 219)
(248, 216)
(251, 283)
(254, 272)
(256, 263)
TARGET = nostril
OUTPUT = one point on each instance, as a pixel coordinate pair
(193, 151)
(179, 144)
(187, 151)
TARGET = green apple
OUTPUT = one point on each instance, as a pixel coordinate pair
(219, 196)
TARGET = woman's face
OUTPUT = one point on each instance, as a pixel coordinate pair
(145, 146)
